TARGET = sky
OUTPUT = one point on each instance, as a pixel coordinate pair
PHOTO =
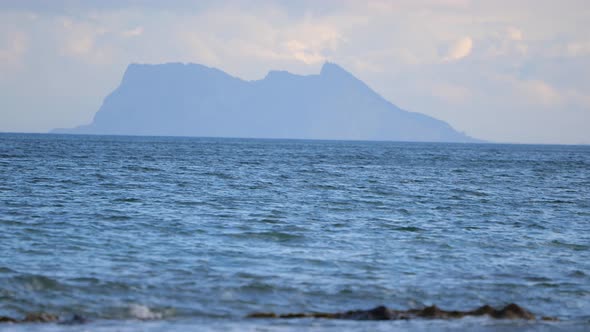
(504, 71)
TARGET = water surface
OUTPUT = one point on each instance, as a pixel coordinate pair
(197, 233)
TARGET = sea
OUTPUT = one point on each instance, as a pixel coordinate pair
(195, 234)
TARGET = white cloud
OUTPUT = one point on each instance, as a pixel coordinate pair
(514, 33)
(579, 98)
(539, 92)
(13, 49)
(303, 52)
(78, 45)
(135, 32)
(78, 38)
(459, 49)
(388, 6)
(504, 42)
(451, 93)
(579, 48)
(242, 36)
(94, 40)
(200, 48)
(311, 42)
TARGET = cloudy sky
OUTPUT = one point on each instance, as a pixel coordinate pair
(505, 71)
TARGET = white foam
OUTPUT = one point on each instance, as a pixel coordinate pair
(143, 312)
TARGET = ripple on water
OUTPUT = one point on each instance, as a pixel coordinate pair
(4, 269)
(113, 217)
(127, 200)
(578, 274)
(34, 282)
(409, 229)
(270, 235)
(572, 246)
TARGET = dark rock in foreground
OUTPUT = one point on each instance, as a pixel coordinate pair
(43, 317)
(511, 311)
(40, 317)
(4, 319)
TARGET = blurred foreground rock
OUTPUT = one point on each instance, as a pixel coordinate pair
(43, 317)
(511, 311)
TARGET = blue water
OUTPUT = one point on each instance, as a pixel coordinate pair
(159, 234)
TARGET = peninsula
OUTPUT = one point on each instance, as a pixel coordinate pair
(177, 99)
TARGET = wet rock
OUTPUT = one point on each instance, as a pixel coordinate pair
(381, 313)
(431, 312)
(483, 310)
(4, 319)
(263, 315)
(40, 317)
(377, 313)
(36, 317)
(511, 311)
(43, 317)
(297, 315)
(74, 320)
(323, 315)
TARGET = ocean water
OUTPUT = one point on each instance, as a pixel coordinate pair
(164, 233)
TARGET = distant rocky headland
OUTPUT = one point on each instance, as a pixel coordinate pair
(178, 99)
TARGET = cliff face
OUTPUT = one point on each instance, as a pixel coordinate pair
(194, 100)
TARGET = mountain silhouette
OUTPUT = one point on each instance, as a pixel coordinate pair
(194, 100)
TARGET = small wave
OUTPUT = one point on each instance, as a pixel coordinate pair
(409, 229)
(115, 217)
(271, 235)
(86, 280)
(127, 200)
(5, 270)
(10, 222)
(261, 287)
(552, 201)
(10, 156)
(223, 176)
(573, 246)
(40, 180)
(325, 187)
(469, 192)
(71, 182)
(106, 286)
(559, 201)
(143, 312)
(35, 282)
(190, 203)
(142, 169)
(404, 211)
(100, 176)
(578, 274)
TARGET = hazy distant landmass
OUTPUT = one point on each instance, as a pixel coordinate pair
(194, 100)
